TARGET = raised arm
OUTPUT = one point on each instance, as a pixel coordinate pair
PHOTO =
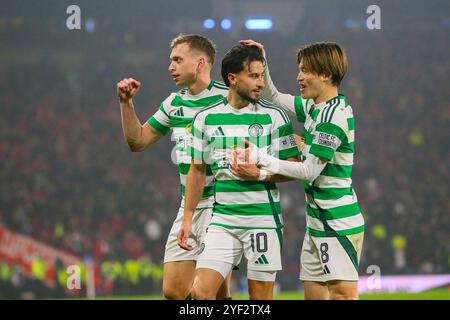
(270, 92)
(138, 136)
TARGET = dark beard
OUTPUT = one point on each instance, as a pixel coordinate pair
(246, 96)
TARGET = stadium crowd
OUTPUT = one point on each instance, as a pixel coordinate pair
(69, 180)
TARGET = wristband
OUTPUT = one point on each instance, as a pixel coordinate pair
(262, 175)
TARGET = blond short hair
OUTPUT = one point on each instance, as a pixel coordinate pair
(197, 42)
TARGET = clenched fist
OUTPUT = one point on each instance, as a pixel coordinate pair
(127, 88)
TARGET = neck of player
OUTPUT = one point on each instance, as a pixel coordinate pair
(329, 92)
(236, 101)
(201, 83)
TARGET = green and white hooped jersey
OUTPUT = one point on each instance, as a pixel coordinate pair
(216, 132)
(329, 132)
(177, 112)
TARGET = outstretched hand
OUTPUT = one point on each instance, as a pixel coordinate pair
(250, 42)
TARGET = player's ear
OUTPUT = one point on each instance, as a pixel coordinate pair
(231, 78)
(201, 64)
(326, 77)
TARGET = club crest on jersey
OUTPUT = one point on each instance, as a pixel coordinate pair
(255, 130)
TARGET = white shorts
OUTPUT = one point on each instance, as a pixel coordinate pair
(330, 258)
(200, 222)
(261, 247)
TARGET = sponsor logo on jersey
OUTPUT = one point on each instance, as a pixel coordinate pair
(292, 141)
(179, 112)
(262, 260)
(326, 140)
(218, 132)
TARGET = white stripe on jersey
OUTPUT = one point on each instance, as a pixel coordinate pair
(243, 197)
(330, 204)
(344, 159)
(346, 223)
(332, 182)
(245, 221)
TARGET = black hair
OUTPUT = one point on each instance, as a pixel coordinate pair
(237, 57)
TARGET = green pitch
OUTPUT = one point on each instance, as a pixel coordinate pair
(438, 294)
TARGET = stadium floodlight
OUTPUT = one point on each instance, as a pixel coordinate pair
(225, 24)
(90, 25)
(258, 24)
(209, 23)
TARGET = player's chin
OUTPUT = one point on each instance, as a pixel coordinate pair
(254, 97)
(305, 94)
(179, 82)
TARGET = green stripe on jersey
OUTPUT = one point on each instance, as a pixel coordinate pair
(327, 193)
(322, 151)
(336, 170)
(276, 217)
(334, 213)
(207, 191)
(350, 250)
(248, 209)
(184, 169)
(285, 130)
(179, 122)
(332, 233)
(301, 116)
(158, 126)
(351, 123)
(242, 186)
(346, 148)
(213, 119)
(200, 103)
(331, 128)
(308, 137)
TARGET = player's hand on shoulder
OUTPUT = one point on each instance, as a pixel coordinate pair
(127, 88)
